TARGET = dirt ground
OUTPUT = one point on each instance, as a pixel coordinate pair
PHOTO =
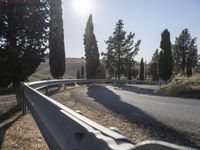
(6, 102)
(21, 132)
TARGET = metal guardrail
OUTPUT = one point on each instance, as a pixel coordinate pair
(64, 129)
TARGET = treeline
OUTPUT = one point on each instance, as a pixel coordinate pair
(179, 58)
(119, 58)
(27, 30)
(23, 36)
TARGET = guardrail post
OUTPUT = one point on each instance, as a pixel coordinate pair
(47, 91)
(24, 109)
(65, 86)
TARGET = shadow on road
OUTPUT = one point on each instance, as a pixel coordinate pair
(157, 129)
(138, 90)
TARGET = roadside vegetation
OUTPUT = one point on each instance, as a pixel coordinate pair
(180, 86)
(177, 64)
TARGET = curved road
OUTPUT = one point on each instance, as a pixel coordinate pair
(166, 118)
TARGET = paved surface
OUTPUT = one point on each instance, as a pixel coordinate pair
(165, 117)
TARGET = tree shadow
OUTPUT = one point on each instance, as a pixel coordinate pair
(138, 90)
(151, 92)
(157, 129)
(10, 113)
(6, 116)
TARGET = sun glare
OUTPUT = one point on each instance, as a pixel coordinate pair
(82, 7)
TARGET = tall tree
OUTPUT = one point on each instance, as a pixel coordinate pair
(56, 40)
(23, 36)
(141, 69)
(121, 50)
(82, 72)
(154, 66)
(166, 60)
(91, 50)
(110, 62)
(185, 53)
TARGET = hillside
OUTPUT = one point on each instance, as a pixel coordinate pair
(72, 65)
(182, 87)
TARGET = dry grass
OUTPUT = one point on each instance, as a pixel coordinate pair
(104, 117)
(182, 87)
(72, 65)
(23, 134)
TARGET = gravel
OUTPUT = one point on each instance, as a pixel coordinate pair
(104, 117)
(23, 134)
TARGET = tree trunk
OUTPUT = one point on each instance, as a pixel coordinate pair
(18, 91)
(119, 64)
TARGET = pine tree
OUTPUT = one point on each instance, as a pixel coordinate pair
(110, 62)
(82, 72)
(56, 40)
(185, 53)
(141, 69)
(120, 51)
(154, 66)
(78, 74)
(166, 60)
(23, 36)
(91, 50)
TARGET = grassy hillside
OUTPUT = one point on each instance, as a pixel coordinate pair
(182, 87)
(72, 65)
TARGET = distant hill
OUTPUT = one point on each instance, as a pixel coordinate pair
(72, 65)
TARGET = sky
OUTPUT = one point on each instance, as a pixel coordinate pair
(146, 18)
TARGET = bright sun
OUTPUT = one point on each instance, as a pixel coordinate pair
(82, 7)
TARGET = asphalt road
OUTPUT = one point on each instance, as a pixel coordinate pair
(175, 120)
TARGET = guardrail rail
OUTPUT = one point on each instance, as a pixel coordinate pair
(65, 129)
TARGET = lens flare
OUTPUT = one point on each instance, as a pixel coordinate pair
(82, 7)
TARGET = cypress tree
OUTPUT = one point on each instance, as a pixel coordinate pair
(91, 50)
(56, 40)
(23, 36)
(166, 60)
(141, 69)
(154, 66)
(185, 53)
